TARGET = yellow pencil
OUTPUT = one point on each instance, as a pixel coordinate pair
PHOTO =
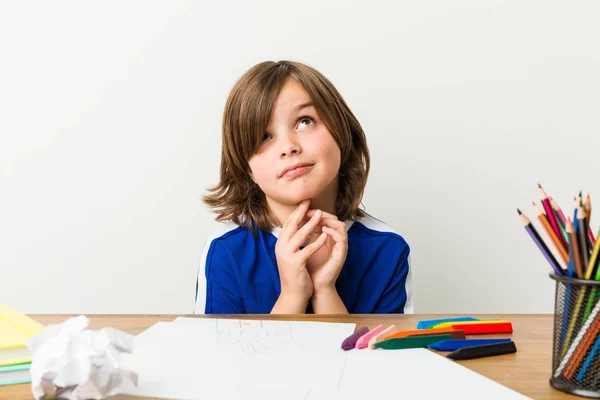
(591, 267)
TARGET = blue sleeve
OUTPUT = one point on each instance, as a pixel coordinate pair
(396, 295)
(222, 288)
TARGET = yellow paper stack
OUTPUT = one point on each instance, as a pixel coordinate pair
(16, 330)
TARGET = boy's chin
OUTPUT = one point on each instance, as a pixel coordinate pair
(297, 198)
(296, 195)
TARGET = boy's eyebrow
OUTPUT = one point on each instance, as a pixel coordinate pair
(303, 105)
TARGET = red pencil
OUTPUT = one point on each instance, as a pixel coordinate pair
(551, 217)
(563, 252)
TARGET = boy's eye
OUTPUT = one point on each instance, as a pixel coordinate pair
(266, 136)
(305, 121)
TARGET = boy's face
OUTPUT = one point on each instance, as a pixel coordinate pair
(298, 158)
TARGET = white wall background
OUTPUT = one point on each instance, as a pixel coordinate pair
(110, 118)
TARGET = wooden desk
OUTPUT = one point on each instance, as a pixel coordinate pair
(527, 371)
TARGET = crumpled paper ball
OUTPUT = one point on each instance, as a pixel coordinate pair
(71, 362)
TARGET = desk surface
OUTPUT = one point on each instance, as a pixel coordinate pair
(527, 371)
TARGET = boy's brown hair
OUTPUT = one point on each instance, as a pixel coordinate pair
(246, 116)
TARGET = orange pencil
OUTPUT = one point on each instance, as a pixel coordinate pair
(588, 210)
(588, 205)
(582, 348)
(557, 243)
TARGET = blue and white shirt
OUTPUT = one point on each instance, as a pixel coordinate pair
(239, 275)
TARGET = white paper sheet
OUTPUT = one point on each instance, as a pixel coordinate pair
(196, 358)
(411, 374)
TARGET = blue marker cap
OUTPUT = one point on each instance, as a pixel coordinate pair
(455, 344)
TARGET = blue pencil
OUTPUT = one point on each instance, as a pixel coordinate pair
(540, 244)
(571, 273)
(589, 359)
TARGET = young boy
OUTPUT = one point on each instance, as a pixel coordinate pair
(293, 171)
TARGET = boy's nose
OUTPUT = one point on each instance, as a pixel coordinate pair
(290, 147)
(290, 151)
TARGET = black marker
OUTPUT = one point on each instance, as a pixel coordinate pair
(485, 350)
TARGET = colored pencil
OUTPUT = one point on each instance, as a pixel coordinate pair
(573, 321)
(595, 259)
(573, 239)
(562, 251)
(558, 210)
(575, 208)
(569, 348)
(582, 347)
(540, 243)
(592, 266)
(550, 214)
(565, 317)
(571, 267)
(564, 333)
(587, 204)
(588, 210)
(588, 361)
(582, 236)
(575, 217)
(590, 272)
(574, 249)
(561, 226)
(560, 218)
(591, 301)
(597, 377)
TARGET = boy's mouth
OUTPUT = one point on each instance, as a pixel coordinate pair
(295, 170)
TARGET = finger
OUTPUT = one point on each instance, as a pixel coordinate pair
(314, 246)
(296, 211)
(328, 219)
(332, 220)
(337, 236)
(340, 248)
(333, 223)
(291, 224)
(309, 213)
(339, 252)
(303, 233)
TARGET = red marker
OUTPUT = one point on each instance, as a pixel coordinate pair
(483, 329)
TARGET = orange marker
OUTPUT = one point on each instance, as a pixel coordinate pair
(419, 332)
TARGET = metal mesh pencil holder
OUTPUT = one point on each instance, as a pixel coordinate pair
(576, 341)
